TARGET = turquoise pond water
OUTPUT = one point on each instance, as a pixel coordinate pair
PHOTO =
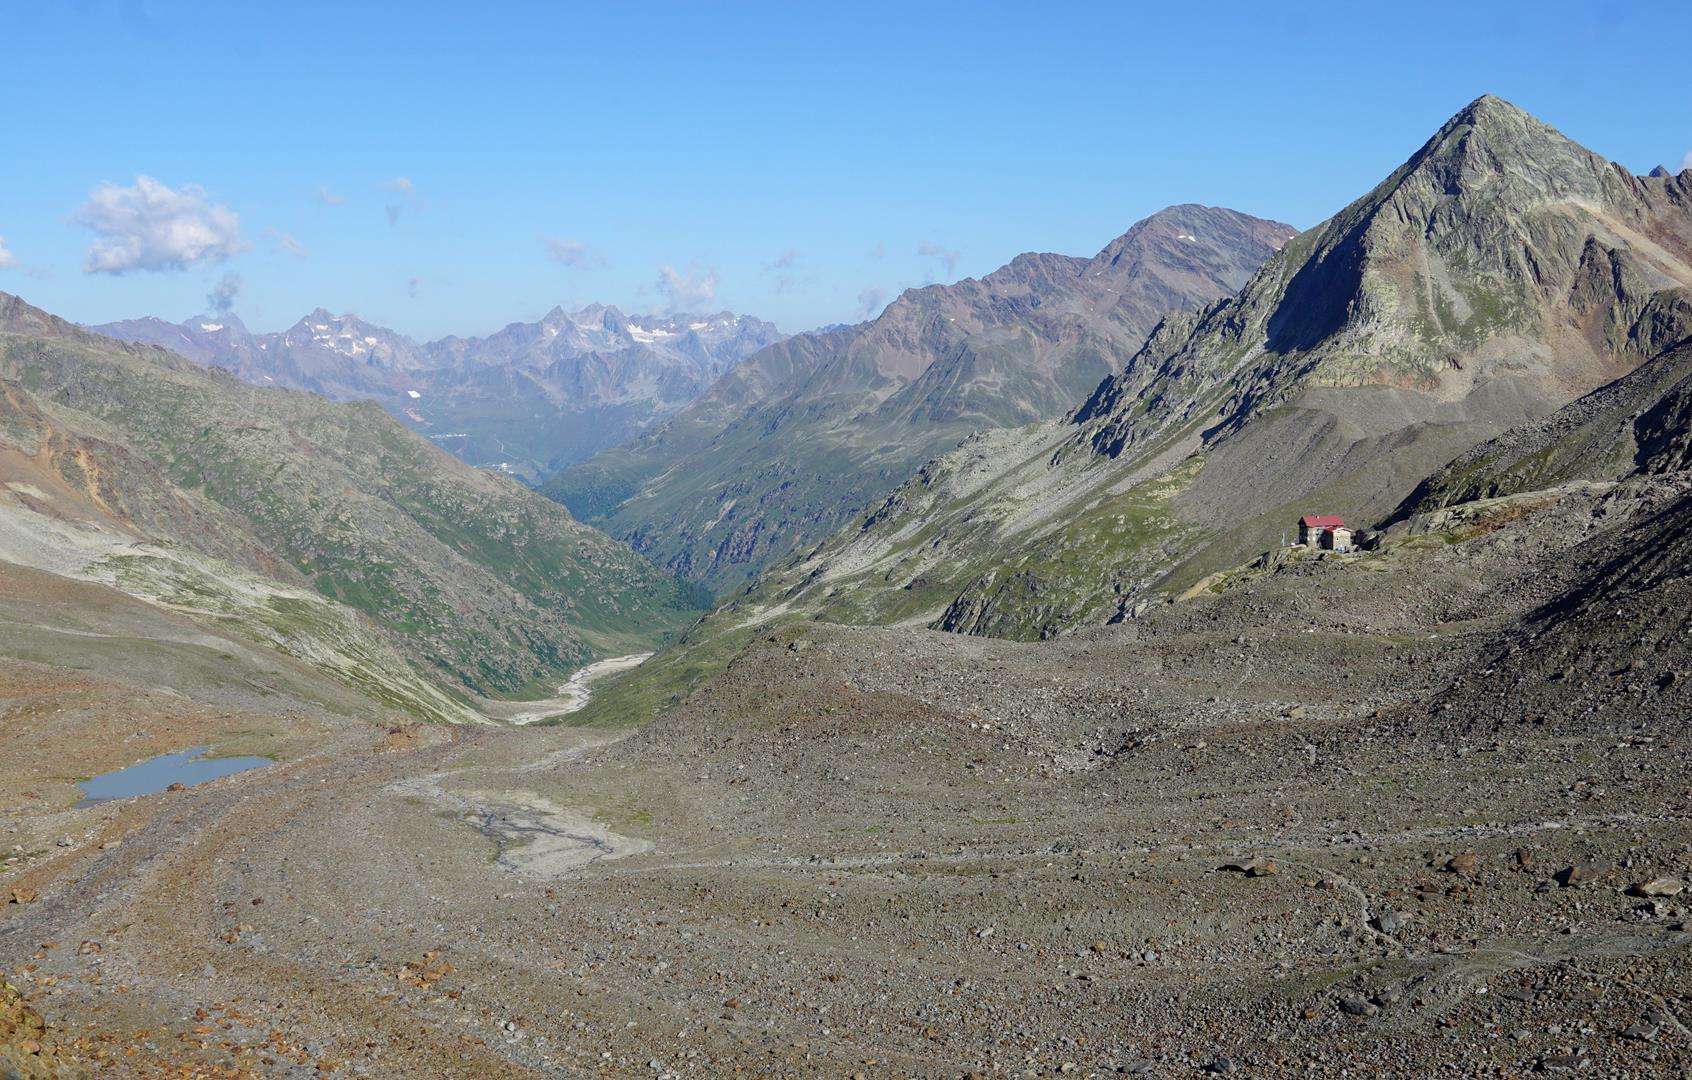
(187, 767)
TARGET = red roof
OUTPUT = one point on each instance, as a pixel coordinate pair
(1322, 521)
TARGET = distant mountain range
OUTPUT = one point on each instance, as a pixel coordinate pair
(1507, 312)
(526, 400)
(325, 531)
(806, 433)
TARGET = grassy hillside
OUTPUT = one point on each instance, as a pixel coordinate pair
(489, 586)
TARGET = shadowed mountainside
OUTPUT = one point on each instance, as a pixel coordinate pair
(801, 436)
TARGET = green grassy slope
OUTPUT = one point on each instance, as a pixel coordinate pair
(495, 589)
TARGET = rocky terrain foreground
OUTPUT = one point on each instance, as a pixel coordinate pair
(1421, 811)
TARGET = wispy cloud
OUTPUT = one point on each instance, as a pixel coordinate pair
(929, 249)
(572, 252)
(151, 226)
(411, 287)
(870, 300)
(687, 290)
(879, 251)
(329, 198)
(568, 252)
(782, 266)
(402, 187)
(285, 244)
(1685, 162)
(221, 300)
(6, 256)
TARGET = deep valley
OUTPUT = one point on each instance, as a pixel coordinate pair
(1246, 651)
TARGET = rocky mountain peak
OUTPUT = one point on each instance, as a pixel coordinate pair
(1191, 238)
(1493, 148)
(17, 316)
(1489, 108)
(1499, 249)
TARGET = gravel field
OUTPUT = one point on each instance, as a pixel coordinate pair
(1352, 817)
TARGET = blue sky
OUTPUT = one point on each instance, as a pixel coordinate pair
(450, 168)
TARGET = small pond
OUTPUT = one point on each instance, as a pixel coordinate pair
(187, 768)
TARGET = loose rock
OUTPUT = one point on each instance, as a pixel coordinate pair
(1357, 1005)
(1663, 886)
(1464, 863)
(1580, 874)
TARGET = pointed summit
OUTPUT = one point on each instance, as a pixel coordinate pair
(1660, 172)
(1499, 247)
(1501, 127)
(1495, 147)
(18, 316)
(1490, 105)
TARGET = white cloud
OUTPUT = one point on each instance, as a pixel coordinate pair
(221, 300)
(152, 226)
(687, 290)
(945, 255)
(870, 299)
(6, 256)
(1685, 162)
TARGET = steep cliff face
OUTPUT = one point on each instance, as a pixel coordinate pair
(805, 434)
